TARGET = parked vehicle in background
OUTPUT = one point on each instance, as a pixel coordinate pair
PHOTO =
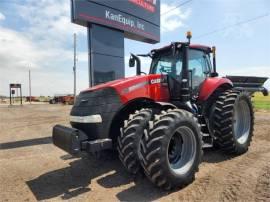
(33, 99)
(62, 99)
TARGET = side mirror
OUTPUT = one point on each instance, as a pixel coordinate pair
(135, 59)
(131, 61)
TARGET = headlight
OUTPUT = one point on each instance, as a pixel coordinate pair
(86, 119)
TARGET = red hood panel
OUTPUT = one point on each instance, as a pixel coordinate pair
(145, 86)
(116, 83)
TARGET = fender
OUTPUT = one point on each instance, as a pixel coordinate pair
(211, 84)
(166, 105)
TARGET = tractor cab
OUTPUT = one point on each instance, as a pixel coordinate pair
(183, 66)
(198, 67)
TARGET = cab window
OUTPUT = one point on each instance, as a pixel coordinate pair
(198, 66)
(167, 64)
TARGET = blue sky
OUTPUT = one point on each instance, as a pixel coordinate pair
(37, 35)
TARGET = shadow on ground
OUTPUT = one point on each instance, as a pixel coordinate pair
(26, 143)
(212, 155)
(74, 180)
(70, 181)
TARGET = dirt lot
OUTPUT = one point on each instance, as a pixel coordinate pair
(31, 168)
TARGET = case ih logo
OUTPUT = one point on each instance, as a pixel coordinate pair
(149, 5)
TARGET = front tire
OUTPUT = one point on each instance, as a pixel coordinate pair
(233, 121)
(172, 151)
(129, 138)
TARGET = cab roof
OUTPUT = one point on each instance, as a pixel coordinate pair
(201, 47)
(206, 49)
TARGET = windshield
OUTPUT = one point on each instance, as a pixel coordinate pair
(166, 63)
(169, 64)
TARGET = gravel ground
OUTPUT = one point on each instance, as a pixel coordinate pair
(31, 168)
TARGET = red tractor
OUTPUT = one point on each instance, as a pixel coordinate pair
(160, 122)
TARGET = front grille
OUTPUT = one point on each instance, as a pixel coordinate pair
(105, 102)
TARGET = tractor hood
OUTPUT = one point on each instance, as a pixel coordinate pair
(121, 84)
(132, 87)
(117, 83)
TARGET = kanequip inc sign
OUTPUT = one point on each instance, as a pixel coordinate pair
(138, 19)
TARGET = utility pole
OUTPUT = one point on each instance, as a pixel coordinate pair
(74, 66)
(30, 86)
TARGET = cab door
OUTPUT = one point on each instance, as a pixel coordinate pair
(199, 69)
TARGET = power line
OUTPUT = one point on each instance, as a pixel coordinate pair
(179, 5)
(233, 25)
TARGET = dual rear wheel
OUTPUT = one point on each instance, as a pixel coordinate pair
(167, 147)
(172, 150)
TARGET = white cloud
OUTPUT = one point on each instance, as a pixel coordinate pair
(172, 17)
(17, 51)
(50, 23)
(2, 16)
(44, 45)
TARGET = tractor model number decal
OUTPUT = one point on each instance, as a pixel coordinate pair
(154, 81)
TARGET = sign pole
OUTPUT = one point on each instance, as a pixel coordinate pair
(90, 58)
(10, 95)
(21, 94)
(30, 99)
(75, 63)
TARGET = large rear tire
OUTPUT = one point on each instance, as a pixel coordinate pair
(171, 152)
(129, 138)
(233, 121)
